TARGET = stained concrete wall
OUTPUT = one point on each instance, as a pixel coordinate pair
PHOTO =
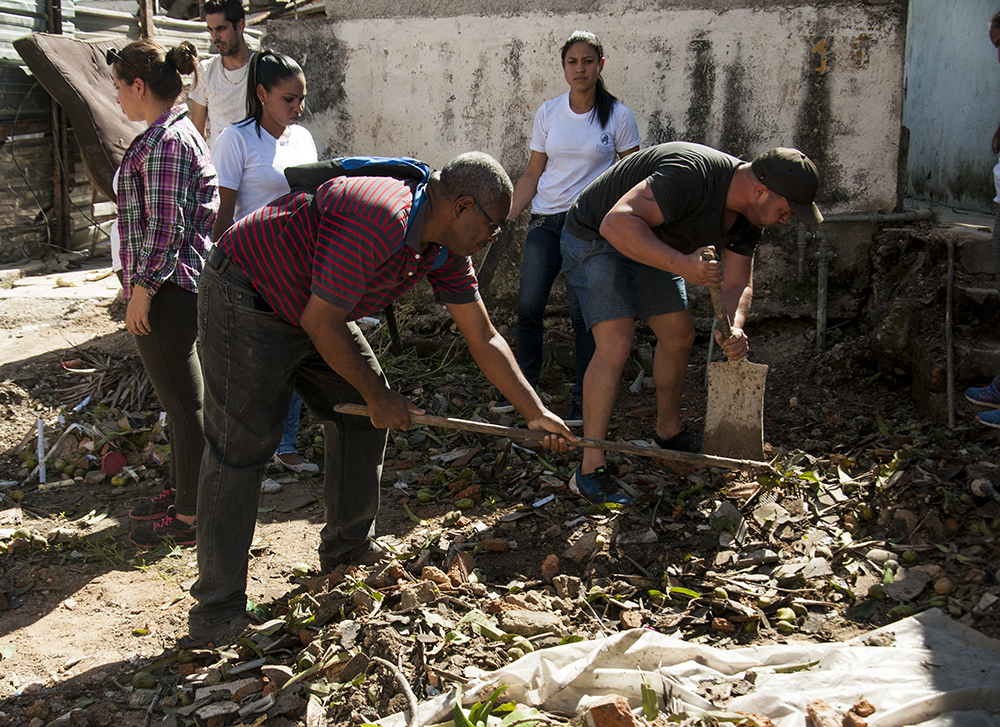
(952, 102)
(741, 76)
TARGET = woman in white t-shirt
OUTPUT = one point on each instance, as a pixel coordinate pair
(575, 138)
(250, 158)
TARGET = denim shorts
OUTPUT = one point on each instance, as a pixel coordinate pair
(612, 286)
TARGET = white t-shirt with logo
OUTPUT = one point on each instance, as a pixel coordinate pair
(224, 92)
(578, 150)
(255, 166)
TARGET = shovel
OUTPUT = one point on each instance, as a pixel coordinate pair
(734, 416)
(688, 458)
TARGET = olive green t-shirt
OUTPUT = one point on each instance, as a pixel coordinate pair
(689, 182)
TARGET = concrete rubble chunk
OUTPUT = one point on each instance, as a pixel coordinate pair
(582, 548)
(639, 537)
(907, 584)
(414, 594)
(217, 709)
(529, 623)
(568, 587)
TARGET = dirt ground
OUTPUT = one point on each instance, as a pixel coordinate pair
(82, 610)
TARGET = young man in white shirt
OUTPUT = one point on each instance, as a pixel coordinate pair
(220, 96)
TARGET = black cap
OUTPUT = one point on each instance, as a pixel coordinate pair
(791, 174)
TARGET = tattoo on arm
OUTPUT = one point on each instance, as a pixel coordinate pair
(649, 198)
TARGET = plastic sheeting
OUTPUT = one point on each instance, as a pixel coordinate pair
(925, 670)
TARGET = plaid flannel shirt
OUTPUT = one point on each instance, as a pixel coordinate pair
(168, 197)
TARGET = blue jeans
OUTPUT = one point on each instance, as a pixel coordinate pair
(611, 286)
(252, 359)
(290, 435)
(540, 265)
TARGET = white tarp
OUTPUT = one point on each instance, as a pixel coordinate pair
(931, 672)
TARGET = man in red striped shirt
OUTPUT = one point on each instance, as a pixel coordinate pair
(277, 305)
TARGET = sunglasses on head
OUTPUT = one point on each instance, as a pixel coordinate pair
(111, 55)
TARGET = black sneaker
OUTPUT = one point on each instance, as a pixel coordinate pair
(167, 529)
(575, 416)
(685, 441)
(502, 407)
(155, 508)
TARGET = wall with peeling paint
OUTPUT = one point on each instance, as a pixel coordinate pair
(952, 102)
(742, 76)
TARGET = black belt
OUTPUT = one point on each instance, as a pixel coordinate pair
(223, 265)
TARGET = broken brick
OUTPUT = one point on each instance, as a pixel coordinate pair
(474, 492)
(721, 625)
(611, 711)
(550, 567)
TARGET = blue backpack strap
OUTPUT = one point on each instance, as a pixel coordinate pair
(404, 168)
(408, 168)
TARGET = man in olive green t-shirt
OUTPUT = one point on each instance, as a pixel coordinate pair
(633, 239)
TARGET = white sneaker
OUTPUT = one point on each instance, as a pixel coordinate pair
(303, 466)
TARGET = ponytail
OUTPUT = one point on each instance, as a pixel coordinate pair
(266, 69)
(158, 67)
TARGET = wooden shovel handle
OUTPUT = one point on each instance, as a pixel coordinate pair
(721, 317)
(701, 460)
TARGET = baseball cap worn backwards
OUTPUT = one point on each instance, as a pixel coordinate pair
(791, 174)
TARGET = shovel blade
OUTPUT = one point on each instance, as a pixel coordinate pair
(734, 416)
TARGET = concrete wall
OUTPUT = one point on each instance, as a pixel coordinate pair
(738, 75)
(952, 102)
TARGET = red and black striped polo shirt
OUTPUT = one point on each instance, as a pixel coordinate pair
(343, 242)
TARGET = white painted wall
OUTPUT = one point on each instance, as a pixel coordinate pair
(743, 76)
(952, 102)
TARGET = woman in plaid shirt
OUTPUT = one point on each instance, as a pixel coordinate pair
(167, 202)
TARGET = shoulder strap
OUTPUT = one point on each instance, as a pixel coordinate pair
(307, 177)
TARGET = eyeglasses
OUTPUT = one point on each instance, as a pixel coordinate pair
(497, 229)
(111, 55)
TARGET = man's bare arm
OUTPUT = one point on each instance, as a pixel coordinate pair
(199, 115)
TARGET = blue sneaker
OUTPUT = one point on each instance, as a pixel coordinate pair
(989, 418)
(984, 395)
(599, 487)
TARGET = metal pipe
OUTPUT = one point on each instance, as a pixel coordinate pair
(823, 257)
(803, 239)
(876, 217)
(948, 333)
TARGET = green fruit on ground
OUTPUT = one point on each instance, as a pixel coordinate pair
(17, 495)
(721, 594)
(143, 680)
(465, 502)
(911, 556)
(317, 439)
(117, 480)
(785, 614)
(59, 465)
(764, 602)
(319, 450)
(425, 496)
(785, 627)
